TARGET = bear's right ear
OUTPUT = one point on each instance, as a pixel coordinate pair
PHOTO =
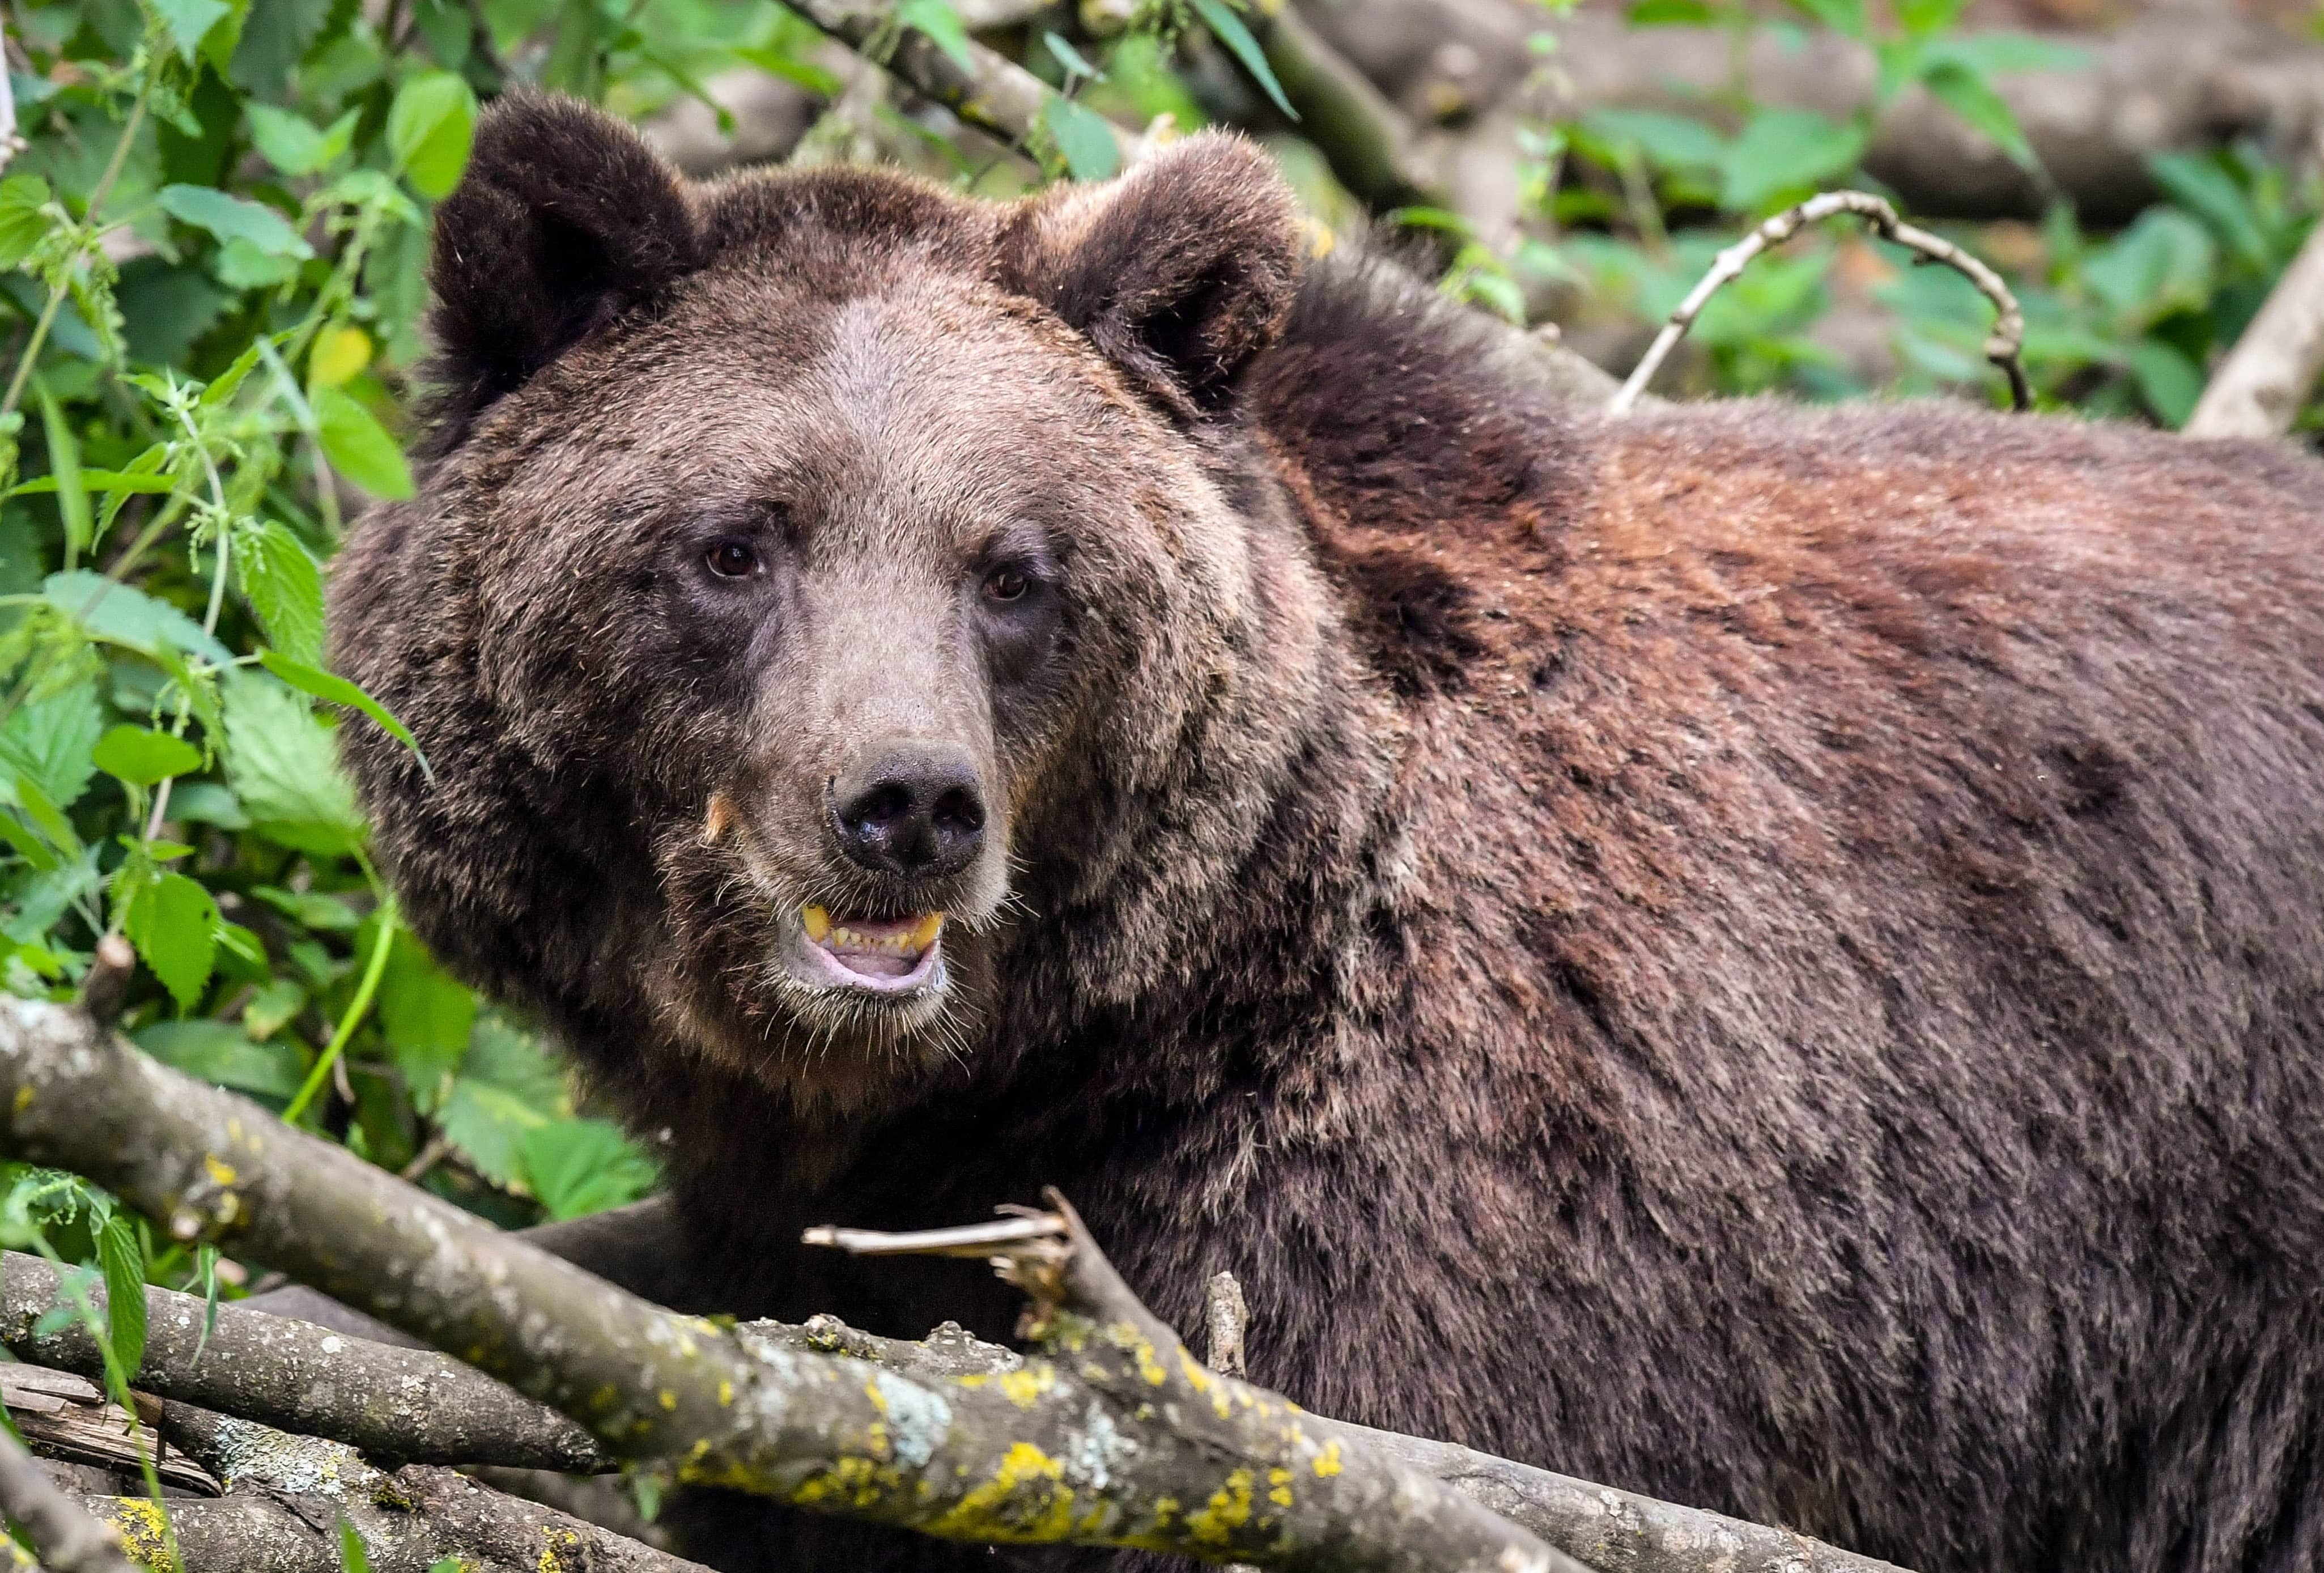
(565, 220)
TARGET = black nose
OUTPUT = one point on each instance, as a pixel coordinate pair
(910, 808)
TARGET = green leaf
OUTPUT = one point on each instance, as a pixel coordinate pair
(283, 585)
(1842, 16)
(1067, 56)
(2167, 380)
(2198, 185)
(580, 1166)
(23, 223)
(226, 1055)
(2002, 53)
(314, 909)
(428, 1016)
(1672, 13)
(123, 614)
(1969, 96)
(487, 1125)
(942, 25)
(2164, 263)
(206, 803)
(359, 448)
(337, 689)
(575, 58)
(1783, 152)
(190, 22)
(240, 265)
(1084, 137)
(233, 218)
(1928, 18)
(1673, 143)
(64, 463)
(173, 923)
(352, 1556)
(284, 768)
(502, 1055)
(51, 743)
(141, 758)
(273, 1008)
(123, 1262)
(429, 129)
(292, 144)
(1228, 30)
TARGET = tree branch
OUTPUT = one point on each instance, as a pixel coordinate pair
(2259, 388)
(2001, 347)
(1127, 1441)
(407, 1405)
(994, 94)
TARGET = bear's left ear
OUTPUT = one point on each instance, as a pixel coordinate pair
(1179, 271)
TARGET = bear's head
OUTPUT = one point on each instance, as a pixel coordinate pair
(812, 572)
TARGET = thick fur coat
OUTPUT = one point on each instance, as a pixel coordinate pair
(1770, 958)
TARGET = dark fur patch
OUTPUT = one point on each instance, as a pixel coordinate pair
(1412, 619)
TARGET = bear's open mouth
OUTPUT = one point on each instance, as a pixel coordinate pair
(882, 955)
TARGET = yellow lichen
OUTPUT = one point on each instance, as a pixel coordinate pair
(144, 1533)
(23, 1099)
(725, 1393)
(669, 1399)
(1228, 1510)
(1279, 1488)
(1327, 1462)
(1026, 1499)
(220, 1172)
(550, 1562)
(1025, 1387)
(855, 1481)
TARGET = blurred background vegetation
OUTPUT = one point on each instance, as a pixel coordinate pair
(213, 233)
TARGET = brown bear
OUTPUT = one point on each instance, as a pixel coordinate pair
(1772, 958)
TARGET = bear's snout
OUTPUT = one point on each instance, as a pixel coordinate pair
(909, 807)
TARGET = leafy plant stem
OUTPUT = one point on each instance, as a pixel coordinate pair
(88, 217)
(373, 970)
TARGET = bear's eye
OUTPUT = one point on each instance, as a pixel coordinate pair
(1004, 584)
(731, 559)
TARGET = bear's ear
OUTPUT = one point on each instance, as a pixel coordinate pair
(565, 220)
(1179, 271)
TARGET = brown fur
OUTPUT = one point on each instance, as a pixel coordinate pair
(1769, 958)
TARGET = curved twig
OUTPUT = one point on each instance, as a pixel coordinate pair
(2001, 347)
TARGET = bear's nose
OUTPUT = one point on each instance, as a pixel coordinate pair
(910, 808)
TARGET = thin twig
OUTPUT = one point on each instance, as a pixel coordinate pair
(68, 1540)
(2001, 347)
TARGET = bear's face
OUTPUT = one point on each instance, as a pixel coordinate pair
(829, 524)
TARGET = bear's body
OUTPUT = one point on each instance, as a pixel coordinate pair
(1771, 959)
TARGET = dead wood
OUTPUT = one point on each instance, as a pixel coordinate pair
(2259, 388)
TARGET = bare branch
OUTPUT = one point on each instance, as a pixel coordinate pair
(70, 1540)
(2259, 388)
(410, 1405)
(2001, 347)
(994, 94)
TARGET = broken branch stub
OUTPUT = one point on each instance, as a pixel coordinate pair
(1119, 1438)
(2001, 346)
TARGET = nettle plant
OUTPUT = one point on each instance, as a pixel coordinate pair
(215, 242)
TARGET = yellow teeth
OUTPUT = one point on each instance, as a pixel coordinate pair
(910, 942)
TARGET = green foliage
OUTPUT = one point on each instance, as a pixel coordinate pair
(2123, 324)
(213, 243)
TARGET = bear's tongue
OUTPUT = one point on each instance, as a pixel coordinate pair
(874, 948)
